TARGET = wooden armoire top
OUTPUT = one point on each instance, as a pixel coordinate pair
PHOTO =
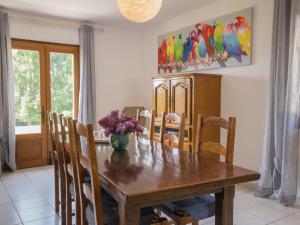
(174, 75)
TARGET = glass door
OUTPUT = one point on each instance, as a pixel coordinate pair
(46, 80)
(30, 103)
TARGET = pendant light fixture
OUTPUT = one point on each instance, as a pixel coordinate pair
(139, 11)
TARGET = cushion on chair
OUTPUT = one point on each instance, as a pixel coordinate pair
(198, 208)
(111, 212)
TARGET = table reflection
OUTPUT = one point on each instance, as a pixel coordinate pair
(119, 168)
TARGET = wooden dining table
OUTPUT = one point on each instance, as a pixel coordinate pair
(149, 174)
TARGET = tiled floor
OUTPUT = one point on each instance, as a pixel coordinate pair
(26, 197)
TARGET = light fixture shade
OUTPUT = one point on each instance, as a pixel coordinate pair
(139, 11)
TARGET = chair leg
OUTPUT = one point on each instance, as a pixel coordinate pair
(77, 211)
(83, 206)
(68, 201)
(56, 188)
(195, 222)
(62, 197)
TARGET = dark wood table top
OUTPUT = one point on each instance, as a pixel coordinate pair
(149, 167)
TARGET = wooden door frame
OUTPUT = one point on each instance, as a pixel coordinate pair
(45, 88)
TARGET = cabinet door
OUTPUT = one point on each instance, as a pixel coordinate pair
(181, 96)
(161, 96)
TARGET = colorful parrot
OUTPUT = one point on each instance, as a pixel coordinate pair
(159, 58)
(202, 47)
(195, 46)
(207, 32)
(179, 52)
(164, 60)
(178, 48)
(231, 43)
(187, 49)
(171, 48)
(218, 36)
(243, 33)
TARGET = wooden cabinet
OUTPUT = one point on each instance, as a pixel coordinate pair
(192, 94)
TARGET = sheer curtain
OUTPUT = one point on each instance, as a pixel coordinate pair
(7, 120)
(87, 93)
(279, 164)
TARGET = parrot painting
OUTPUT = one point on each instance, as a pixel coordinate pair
(231, 43)
(218, 36)
(223, 42)
(243, 33)
(179, 52)
(164, 60)
(187, 49)
(207, 32)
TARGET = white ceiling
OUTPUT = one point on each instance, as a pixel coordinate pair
(96, 11)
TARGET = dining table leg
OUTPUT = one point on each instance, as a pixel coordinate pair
(129, 213)
(224, 206)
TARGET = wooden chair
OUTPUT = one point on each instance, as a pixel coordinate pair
(175, 122)
(142, 117)
(70, 165)
(59, 172)
(97, 207)
(131, 110)
(183, 215)
(217, 148)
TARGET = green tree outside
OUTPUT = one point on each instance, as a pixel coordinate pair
(26, 69)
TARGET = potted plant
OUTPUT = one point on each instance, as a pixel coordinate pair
(118, 127)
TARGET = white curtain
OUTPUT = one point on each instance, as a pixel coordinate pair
(280, 155)
(87, 93)
(7, 119)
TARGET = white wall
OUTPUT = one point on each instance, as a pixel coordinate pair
(117, 57)
(244, 89)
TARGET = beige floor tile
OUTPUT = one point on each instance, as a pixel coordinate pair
(267, 213)
(7, 208)
(290, 220)
(36, 213)
(30, 203)
(245, 218)
(53, 220)
(243, 203)
(10, 219)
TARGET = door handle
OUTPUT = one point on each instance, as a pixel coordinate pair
(43, 115)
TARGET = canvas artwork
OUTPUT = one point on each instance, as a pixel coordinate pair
(218, 43)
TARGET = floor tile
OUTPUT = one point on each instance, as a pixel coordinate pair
(53, 220)
(10, 219)
(243, 203)
(290, 220)
(7, 208)
(245, 218)
(267, 213)
(36, 213)
(30, 203)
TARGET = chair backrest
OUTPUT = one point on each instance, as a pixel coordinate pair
(176, 122)
(214, 147)
(68, 139)
(131, 110)
(65, 140)
(146, 115)
(55, 138)
(88, 162)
